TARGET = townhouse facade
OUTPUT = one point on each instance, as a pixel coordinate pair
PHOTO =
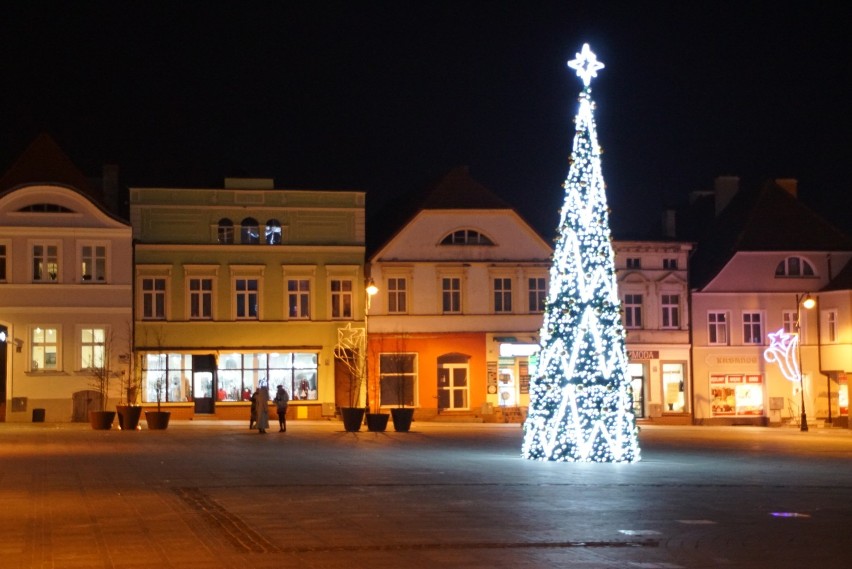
(243, 286)
(753, 332)
(65, 290)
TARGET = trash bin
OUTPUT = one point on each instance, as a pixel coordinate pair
(38, 415)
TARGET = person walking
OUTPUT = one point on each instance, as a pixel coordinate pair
(253, 414)
(262, 402)
(282, 399)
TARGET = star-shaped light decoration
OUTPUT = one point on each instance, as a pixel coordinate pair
(783, 351)
(586, 64)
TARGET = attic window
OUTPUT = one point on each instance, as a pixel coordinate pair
(466, 237)
(794, 267)
(46, 208)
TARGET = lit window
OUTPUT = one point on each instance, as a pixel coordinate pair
(537, 293)
(246, 299)
(273, 232)
(154, 298)
(45, 349)
(451, 295)
(92, 348)
(93, 263)
(45, 263)
(717, 328)
(249, 231)
(752, 328)
(795, 267)
(502, 295)
(397, 378)
(200, 298)
(299, 299)
(341, 299)
(671, 310)
(397, 295)
(226, 231)
(466, 237)
(632, 310)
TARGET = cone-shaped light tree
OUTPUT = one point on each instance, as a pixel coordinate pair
(580, 402)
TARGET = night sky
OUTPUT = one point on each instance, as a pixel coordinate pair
(387, 96)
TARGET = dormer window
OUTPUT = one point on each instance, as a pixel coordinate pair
(466, 237)
(45, 208)
(795, 267)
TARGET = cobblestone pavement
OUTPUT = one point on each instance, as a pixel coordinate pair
(215, 494)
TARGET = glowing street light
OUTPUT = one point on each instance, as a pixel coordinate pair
(371, 289)
(808, 302)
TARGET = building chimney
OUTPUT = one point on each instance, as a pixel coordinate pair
(790, 185)
(670, 223)
(725, 187)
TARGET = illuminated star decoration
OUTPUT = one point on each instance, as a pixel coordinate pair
(783, 351)
(586, 64)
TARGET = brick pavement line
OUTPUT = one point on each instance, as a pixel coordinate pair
(238, 533)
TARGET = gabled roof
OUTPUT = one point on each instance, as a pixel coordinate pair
(44, 162)
(769, 219)
(843, 280)
(455, 190)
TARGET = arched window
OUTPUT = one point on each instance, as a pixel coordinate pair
(273, 232)
(45, 208)
(249, 232)
(466, 237)
(795, 267)
(226, 231)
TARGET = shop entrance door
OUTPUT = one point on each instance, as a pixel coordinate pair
(637, 384)
(204, 383)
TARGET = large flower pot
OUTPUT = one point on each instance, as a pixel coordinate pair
(377, 422)
(402, 417)
(157, 420)
(101, 420)
(352, 418)
(128, 416)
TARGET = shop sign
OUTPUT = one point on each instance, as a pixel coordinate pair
(636, 355)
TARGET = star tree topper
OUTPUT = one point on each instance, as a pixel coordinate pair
(586, 64)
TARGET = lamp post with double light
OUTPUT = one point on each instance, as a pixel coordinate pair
(808, 302)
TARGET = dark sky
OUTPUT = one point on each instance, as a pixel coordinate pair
(386, 96)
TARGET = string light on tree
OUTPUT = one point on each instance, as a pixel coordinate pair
(581, 408)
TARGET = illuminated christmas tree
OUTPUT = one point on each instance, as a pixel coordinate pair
(580, 403)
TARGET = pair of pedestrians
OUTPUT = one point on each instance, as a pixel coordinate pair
(260, 409)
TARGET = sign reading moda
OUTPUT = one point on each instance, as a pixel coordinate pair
(580, 404)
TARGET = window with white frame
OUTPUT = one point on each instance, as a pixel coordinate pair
(153, 298)
(200, 298)
(397, 378)
(830, 318)
(752, 328)
(502, 295)
(4, 259)
(632, 310)
(246, 298)
(537, 289)
(45, 262)
(93, 263)
(788, 320)
(717, 328)
(92, 348)
(670, 306)
(466, 237)
(299, 299)
(795, 267)
(341, 299)
(397, 295)
(273, 232)
(451, 295)
(44, 349)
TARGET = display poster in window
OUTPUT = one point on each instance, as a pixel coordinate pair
(523, 377)
(491, 378)
(738, 395)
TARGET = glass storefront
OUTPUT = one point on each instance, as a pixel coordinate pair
(736, 394)
(673, 388)
(237, 375)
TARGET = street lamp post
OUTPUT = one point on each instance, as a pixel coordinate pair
(371, 289)
(808, 302)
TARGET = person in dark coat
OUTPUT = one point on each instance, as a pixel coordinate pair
(282, 399)
(253, 415)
